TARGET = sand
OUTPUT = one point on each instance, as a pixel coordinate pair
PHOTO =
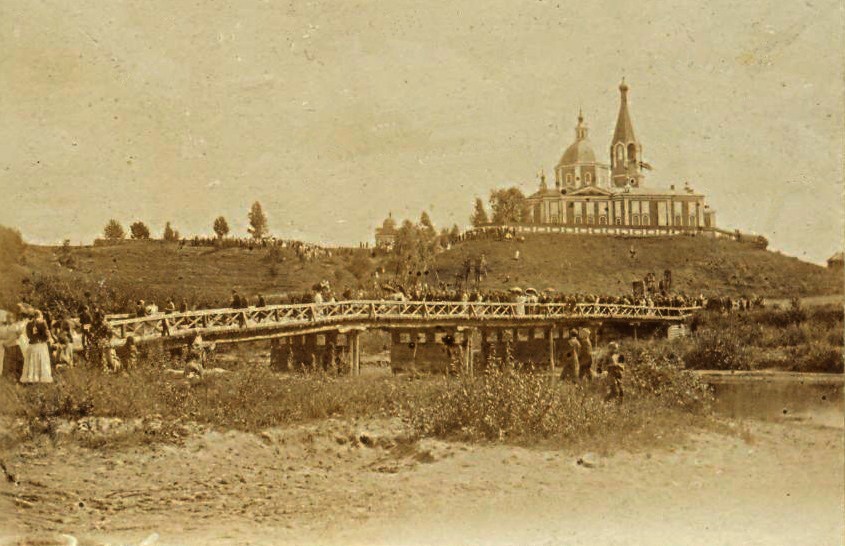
(356, 483)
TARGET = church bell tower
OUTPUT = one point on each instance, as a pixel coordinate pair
(625, 149)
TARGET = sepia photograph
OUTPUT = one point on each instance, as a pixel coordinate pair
(391, 272)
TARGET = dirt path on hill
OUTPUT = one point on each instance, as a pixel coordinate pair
(346, 483)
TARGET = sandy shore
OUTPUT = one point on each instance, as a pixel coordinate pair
(352, 483)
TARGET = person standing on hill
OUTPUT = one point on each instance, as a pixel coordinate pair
(237, 301)
(570, 369)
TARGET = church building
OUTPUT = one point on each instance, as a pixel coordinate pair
(592, 196)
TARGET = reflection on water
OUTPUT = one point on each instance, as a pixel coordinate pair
(782, 397)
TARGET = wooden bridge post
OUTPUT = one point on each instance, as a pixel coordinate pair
(552, 348)
(354, 342)
(469, 365)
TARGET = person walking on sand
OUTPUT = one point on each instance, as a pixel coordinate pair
(36, 364)
(570, 370)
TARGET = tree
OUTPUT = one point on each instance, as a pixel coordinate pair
(479, 215)
(257, 221)
(170, 234)
(454, 234)
(507, 205)
(139, 230)
(113, 230)
(221, 227)
(427, 227)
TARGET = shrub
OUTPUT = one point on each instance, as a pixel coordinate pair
(714, 350)
(818, 357)
(651, 374)
(780, 318)
(511, 405)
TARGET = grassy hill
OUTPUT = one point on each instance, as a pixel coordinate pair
(155, 271)
(602, 265)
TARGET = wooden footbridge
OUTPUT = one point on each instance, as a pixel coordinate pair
(338, 323)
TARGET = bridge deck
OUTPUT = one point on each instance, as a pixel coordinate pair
(293, 319)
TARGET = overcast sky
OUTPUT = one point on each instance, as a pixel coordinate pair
(332, 114)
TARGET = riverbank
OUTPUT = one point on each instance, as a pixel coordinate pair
(312, 484)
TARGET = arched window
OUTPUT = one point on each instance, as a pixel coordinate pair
(645, 220)
(632, 152)
(678, 219)
(620, 153)
(635, 219)
(618, 221)
(692, 220)
(588, 178)
(578, 220)
(591, 219)
(603, 220)
(569, 179)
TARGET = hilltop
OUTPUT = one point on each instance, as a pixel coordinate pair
(602, 265)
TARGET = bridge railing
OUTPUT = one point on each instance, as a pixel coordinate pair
(371, 312)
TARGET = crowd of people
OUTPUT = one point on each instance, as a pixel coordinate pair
(302, 251)
(33, 344)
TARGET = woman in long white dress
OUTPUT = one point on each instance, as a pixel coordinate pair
(36, 364)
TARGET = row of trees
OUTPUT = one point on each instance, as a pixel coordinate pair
(507, 207)
(139, 230)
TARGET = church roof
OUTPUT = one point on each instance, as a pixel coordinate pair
(580, 151)
(624, 128)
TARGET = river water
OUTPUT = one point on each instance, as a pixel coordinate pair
(779, 396)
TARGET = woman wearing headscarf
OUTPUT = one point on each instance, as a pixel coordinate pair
(36, 364)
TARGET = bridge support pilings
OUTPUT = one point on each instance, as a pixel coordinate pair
(436, 350)
(534, 346)
(330, 351)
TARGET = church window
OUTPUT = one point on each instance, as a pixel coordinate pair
(603, 220)
(632, 152)
(692, 220)
(620, 153)
(645, 220)
(635, 219)
(591, 219)
(678, 221)
(578, 220)
(569, 179)
(588, 178)
(617, 221)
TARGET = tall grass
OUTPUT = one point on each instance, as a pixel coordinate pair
(506, 404)
(500, 404)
